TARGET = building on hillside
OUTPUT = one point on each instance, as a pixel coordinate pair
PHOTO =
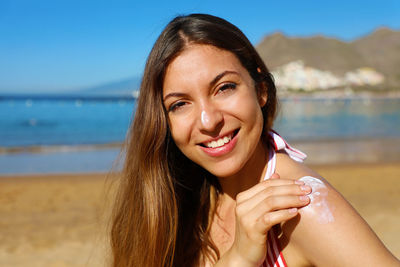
(296, 76)
(364, 76)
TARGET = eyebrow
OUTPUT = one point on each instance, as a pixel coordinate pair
(174, 95)
(211, 84)
(219, 76)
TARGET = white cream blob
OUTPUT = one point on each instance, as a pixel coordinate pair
(318, 203)
(204, 118)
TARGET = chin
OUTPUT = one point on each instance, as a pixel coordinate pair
(223, 172)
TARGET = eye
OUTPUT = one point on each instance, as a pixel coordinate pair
(226, 87)
(176, 106)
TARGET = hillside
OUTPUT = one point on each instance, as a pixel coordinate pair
(379, 50)
(121, 87)
(328, 63)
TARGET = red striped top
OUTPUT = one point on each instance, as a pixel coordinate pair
(274, 252)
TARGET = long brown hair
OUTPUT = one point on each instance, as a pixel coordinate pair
(164, 207)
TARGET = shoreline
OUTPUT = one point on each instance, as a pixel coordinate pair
(60, 148)
(339, 94)
(62, 219)
(38, 149)
(102, 158)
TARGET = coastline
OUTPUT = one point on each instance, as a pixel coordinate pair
(37, 149)
(61, 219)
(340, 94)
(67, 160)
(350, 150)
(20, 161)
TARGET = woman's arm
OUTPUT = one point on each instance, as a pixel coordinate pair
(329, 232)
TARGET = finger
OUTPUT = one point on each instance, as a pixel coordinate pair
(282, 190)
(275, 176)
(266, 221)
(275, 203)
(271, 204)
(243, 196)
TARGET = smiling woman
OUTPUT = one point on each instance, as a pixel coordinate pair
(206, 180)
(216, 106)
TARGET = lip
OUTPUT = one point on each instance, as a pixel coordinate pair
(222, 150)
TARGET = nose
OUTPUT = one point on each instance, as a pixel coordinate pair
(210, 118)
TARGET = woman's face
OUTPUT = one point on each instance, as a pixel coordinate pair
(213, 110)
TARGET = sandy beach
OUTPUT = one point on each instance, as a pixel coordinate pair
(60, 220)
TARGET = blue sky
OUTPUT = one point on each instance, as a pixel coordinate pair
(61, 45)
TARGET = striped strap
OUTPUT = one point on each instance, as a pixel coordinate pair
(274, 256)
(280, 144)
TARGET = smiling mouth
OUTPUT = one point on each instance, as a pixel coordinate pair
(221, 141)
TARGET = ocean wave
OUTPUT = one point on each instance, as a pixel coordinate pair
(58, 148)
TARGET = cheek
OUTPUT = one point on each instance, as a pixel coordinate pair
(250, 112)
(247, 104)
(180, 132)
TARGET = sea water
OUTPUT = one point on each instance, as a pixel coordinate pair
(57, 122)
(352, 118)
(68, 125)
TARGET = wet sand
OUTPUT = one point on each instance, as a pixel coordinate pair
(60, 220)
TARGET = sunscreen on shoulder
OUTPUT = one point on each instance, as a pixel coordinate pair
(318, 206)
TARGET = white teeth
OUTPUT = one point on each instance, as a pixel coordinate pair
(219, 142)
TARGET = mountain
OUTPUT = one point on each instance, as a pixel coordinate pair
(379, 50)
(122, 87)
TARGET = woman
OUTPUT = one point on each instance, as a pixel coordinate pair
(206, 181)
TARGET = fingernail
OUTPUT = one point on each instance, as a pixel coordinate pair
(293, 210)
(304, 198)
(305, 188)
(298, 182)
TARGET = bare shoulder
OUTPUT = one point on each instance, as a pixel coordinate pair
(290, 169)
(329, 232)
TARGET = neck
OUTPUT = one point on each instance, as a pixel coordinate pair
(251, 174)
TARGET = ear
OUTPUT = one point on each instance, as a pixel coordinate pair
(262, 95)
(262, 91)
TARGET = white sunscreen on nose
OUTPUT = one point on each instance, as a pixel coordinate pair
(318, 203)
(204, 118)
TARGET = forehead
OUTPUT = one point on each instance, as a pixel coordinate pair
(199, 64)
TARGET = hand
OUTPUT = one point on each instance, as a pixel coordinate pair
(258, 209)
